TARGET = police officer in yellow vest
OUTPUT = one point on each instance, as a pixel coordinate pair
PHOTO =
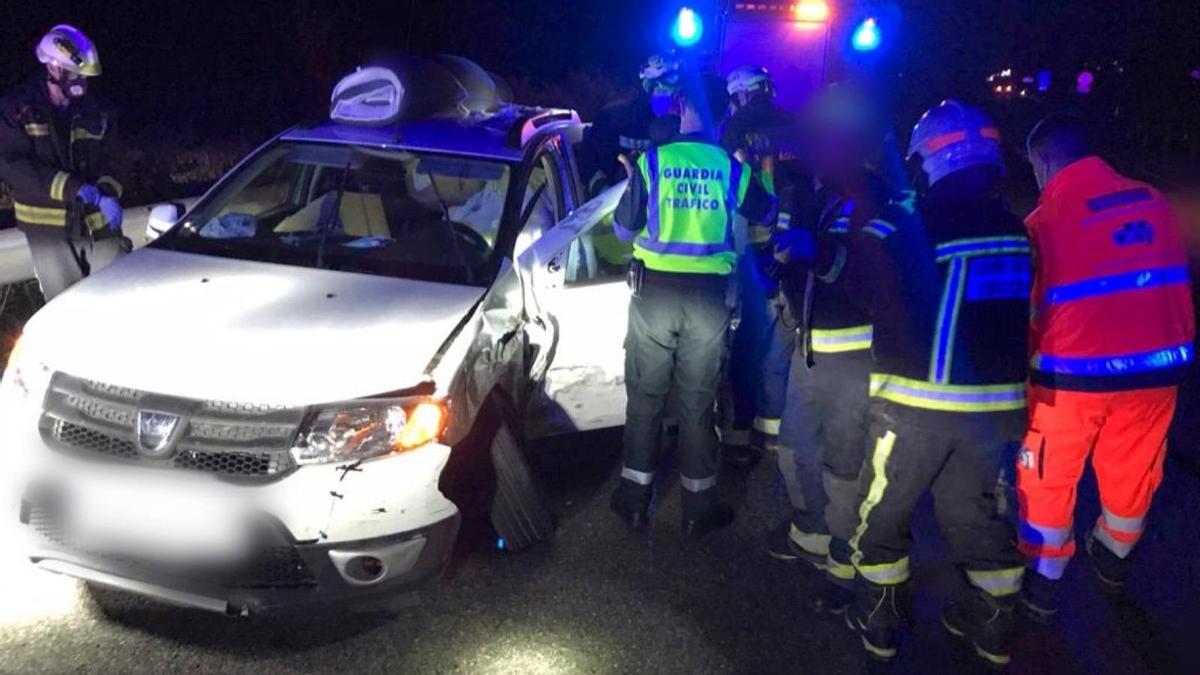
(54, 141)
(679, 212)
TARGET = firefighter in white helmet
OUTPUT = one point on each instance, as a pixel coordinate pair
(54, 140)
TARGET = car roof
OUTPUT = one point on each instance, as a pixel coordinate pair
(500, 136)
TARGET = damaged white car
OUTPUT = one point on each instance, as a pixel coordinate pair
(289, 396)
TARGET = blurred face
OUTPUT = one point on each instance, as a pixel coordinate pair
(836, 154)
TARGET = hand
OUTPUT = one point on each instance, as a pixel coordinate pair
(113, 214)
(89, 195)
(741, 156)
(627, 164)
(796, 243)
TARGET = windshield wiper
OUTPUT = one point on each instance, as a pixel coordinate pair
(334, 216)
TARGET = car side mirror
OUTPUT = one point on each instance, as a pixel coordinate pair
(162, 218)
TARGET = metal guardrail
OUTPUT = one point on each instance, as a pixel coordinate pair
(16, 264)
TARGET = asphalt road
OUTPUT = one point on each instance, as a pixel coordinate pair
(597, 599)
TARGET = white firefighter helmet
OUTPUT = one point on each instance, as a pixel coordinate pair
(953, 136)
(661, 70)
(68, 48)
(744, 79)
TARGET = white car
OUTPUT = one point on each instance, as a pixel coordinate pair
(290, 396)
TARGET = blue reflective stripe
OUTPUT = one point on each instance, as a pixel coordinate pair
(880, 229)
(982, 246)
(1115, 365)
(652, 218)
(1119, 199)
(947, 322)
(678, 248)
(840, 226)
(1162, 276)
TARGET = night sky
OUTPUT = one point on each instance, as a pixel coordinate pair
(256, 65)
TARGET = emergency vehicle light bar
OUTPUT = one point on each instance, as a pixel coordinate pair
(369, 96)
(805, 10)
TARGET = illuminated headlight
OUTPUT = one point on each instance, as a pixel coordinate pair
(364, 429)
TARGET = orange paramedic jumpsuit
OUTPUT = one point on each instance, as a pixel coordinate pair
(1111, 338)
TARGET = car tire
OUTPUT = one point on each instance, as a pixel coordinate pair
(519, 512)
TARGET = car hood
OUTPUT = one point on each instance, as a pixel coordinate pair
(230, 330)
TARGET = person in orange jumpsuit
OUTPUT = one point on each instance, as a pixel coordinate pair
(1111, 338)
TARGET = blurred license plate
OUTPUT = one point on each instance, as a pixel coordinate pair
(159, 521)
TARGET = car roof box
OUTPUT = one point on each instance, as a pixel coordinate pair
(413, 87)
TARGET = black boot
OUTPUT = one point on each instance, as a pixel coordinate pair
(985, 621)
(720, 515)
(830, 599)
(1110, 569)
(875, 616)
(741, 456)
(1039, 598)
(633, 509)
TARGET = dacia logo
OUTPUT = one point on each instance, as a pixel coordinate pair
(156, 433)
(1137, 232)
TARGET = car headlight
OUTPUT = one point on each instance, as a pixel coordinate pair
(364, 429)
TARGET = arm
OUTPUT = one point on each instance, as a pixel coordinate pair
(28, 176)
(630, 217)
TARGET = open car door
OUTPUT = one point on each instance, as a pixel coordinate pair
(577, 274)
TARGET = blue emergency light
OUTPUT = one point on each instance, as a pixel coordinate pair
(688, 28)
(867, 37)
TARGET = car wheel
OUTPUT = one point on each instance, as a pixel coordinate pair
(519, 512)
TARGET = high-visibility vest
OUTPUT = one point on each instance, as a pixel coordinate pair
(1112, 296)
(694, 190)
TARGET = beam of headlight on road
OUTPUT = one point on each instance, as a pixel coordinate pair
(29, 595)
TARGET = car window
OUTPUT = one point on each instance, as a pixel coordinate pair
(543, 202)
(385, 212)
(598, 255)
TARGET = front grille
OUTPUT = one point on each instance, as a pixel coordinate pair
(241, 441)
(274, 566)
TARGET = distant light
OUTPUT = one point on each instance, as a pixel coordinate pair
(501, 544)
(1008, 89)
(688, 28)
(999, 89)
(1083, 83)
(812, 10)
(1196, 74)
(1043, 81)
(867, 37)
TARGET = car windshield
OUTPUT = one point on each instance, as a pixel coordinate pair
(384, 212)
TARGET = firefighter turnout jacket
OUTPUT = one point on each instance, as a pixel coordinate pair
(948, 291)
(47, 154)
(1112, 297)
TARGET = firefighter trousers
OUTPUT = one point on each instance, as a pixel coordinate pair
(758, 365)
(1125, 433)
(55, 265)
(673, 349)
(821, 451)
(958, 457)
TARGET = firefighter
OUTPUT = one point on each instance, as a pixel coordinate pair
(821, 440)
(54, 151)
(633, 125)
(762, 345)
(678, 210)
(947, 290)
(1111, 338)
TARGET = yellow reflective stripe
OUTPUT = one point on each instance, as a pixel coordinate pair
(841, 340)
(767, 425)
(888, 573)
(810, 542)
(839, 570)
(32, 129)
(998, 583)
(40, 215)
(96, 221)
(112, 183)
(57, 184)
(881, 652)
(78, 134)
(948, 397)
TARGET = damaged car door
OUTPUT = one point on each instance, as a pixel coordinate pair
(579, 273)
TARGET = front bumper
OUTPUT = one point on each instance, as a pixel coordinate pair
(291, 575)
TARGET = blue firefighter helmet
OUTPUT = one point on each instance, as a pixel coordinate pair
(953, 136)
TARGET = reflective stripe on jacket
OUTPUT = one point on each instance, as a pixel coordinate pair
(1112, 296)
